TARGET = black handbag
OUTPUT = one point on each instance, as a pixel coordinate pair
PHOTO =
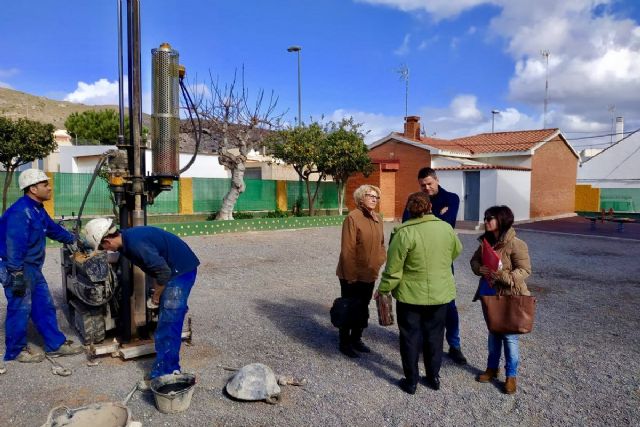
(349, 313)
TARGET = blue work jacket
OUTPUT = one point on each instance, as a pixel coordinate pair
(158, 253)
(23, 229)
(441, 200)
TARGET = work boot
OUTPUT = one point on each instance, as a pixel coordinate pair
(407, 386)
(487, 375)
(456, 355)
(510, 385)
(360, 346)
(68, 348)
(29, 355)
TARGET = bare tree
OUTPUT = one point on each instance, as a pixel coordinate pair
(242, 122)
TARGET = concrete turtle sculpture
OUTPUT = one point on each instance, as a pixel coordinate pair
(254, 382)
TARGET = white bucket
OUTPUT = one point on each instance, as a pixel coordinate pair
(173, 392)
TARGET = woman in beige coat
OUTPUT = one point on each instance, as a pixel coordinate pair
(362, 254)
(508, 280)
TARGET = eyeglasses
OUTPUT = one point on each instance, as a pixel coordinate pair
(489, 218)
(372, 196)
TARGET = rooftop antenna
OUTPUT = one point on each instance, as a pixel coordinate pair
(612, 109)
(404, 75)
(545, 55)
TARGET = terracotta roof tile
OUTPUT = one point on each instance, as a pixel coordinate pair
(478, 167)
(504, 141)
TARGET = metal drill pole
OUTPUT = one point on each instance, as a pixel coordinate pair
(299, 94)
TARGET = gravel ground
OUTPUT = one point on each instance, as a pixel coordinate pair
(264, 297)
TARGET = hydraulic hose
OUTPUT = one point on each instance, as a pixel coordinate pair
(196, 131)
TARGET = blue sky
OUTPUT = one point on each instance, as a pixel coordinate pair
(466, 57)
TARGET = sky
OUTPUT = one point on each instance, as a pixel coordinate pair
(466, 58)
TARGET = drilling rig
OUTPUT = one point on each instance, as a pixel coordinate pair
(105, 294)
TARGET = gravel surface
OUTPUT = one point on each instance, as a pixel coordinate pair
(265, 297)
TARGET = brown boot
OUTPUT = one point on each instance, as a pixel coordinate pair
(510, 385)
(487, 375)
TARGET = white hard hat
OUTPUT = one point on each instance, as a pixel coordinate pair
(96, 229)
(31, 177)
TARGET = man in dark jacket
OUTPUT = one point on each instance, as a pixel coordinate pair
(171, 262)
(444, 205)
(23, 231)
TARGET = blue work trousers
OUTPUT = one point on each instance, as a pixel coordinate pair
(37, 304)
(168, 335)
(452, 325)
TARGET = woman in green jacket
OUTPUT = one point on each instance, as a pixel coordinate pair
(418, 274)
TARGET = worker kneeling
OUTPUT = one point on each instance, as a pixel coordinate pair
(173, 265)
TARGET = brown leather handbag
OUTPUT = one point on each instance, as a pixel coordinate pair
(384, 303)
(509, 314)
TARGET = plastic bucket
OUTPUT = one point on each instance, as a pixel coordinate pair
(173, 392)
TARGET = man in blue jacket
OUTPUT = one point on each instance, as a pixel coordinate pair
(171, 262)
(444, 205)
(23, 229)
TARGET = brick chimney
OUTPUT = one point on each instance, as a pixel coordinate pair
(412, 127)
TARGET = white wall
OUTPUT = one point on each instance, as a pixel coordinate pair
(506, 160)
(615, 167)
(453, 182)
(488, 191)
(513, 188)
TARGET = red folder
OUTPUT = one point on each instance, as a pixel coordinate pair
(490, 257)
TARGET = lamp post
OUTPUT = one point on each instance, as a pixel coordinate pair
(493, 118)
(297, 49)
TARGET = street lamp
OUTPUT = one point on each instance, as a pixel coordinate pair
(297, 49)
(493, 118)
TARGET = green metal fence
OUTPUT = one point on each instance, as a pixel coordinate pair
(620, 199)
(259, 195)
(327, 195)
(13, 193)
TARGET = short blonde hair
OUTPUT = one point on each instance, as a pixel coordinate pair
(358, 195)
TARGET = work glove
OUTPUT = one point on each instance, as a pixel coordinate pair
(72, 247)
(18, 284)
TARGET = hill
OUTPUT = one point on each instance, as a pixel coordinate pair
(15, 104)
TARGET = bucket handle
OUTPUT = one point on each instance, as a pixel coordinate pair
(68, 410)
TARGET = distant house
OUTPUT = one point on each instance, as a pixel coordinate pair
(531, 171)
(615, 173)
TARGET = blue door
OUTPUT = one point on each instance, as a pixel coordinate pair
(471, 196)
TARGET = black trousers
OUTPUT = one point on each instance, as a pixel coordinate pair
(421, 326)
(362, 292)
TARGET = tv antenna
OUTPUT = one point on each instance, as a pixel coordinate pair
(545, 55)
(404, 75)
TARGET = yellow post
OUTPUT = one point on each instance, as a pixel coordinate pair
(281, 195)
(185, 196)
(49, 205)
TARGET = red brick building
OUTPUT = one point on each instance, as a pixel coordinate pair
(531, 171)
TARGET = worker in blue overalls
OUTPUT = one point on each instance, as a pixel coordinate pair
(165, 258)
(23, 229)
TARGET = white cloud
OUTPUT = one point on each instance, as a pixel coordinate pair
(464, 107)
(377, 124)
(439, 9)
(403, 49)
(8, 72)
(98, 93)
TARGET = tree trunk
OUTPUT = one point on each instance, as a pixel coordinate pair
(341, 188)
(237, 188)
(309, 198)
(7, 183)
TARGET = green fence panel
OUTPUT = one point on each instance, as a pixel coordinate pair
(69, 189)
(166, 202)
(327, 195)
(259, 195)
(620, 199)
(13, 192)
(208, 193)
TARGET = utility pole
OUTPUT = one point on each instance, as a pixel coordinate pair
(545, 55)
(404, 75)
